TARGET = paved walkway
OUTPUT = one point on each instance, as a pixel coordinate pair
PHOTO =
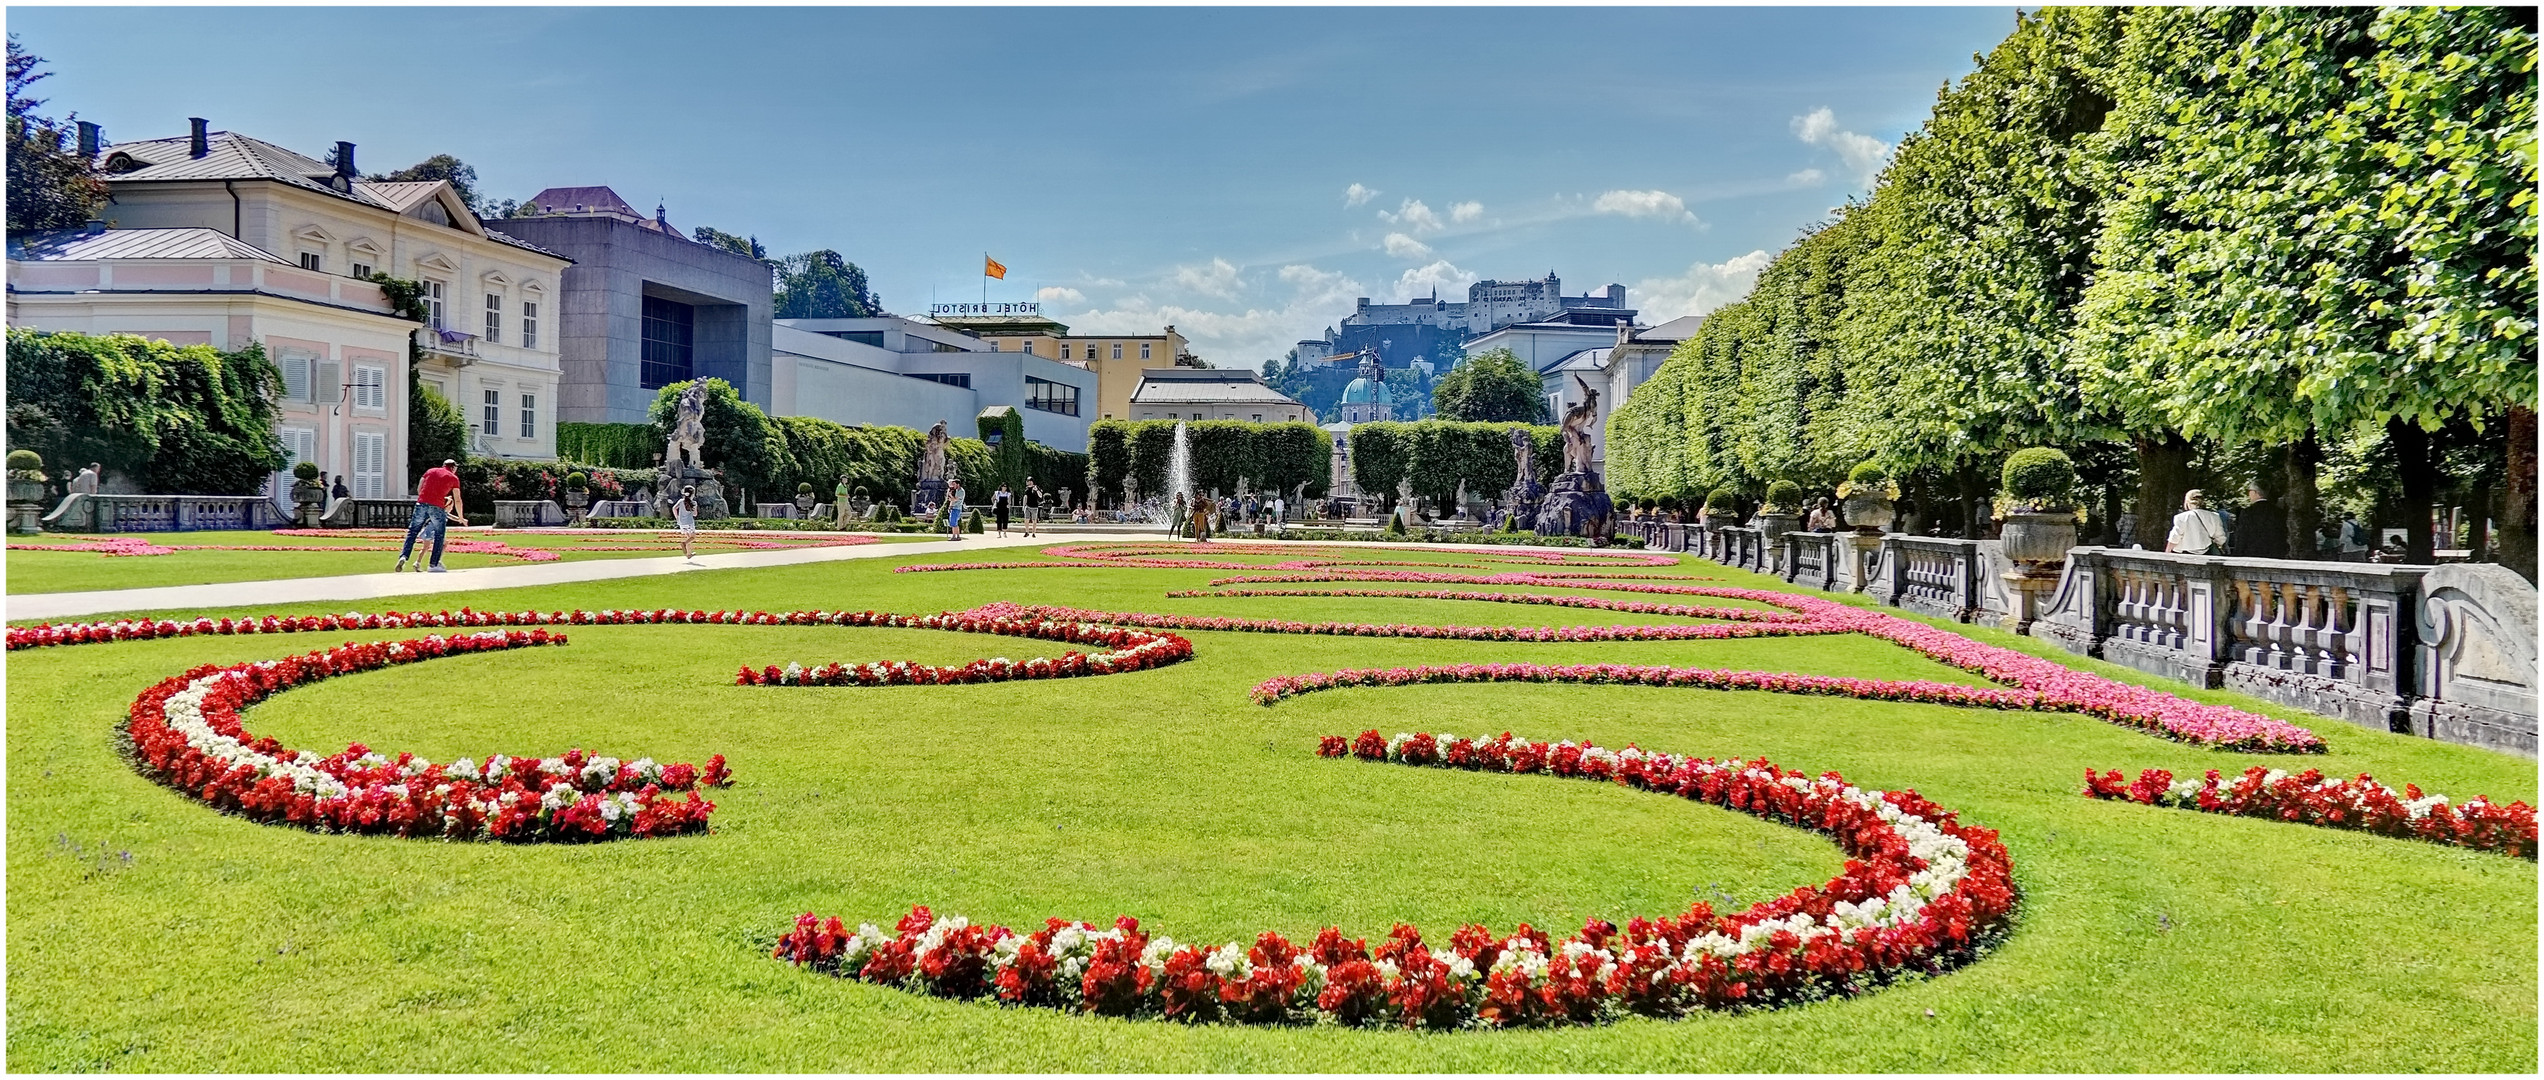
(374, 586)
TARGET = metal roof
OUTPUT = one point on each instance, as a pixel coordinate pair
(1186, 386)
(77, 245)
(230, 156)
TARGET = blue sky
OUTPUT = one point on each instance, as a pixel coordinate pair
(1242, 174)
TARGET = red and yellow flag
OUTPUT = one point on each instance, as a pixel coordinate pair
(993, 268)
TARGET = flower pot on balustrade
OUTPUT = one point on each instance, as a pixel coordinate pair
(576, 500)
(1871, 515)
(1773, 526)
(26, 504)
(309, 498)
(2040, 537)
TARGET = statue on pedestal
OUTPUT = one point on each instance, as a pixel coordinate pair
(1524, 491)
(685, 457)
(1577, 502)
(932, 470)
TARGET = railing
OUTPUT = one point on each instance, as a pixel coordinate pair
(1933, 575)
(368, 514)
(163, 513)
(1811, 558)
(1744, 549)
(453, 344)
(528, 513)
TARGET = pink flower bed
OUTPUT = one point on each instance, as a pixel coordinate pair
(1289, 556)
(186, 733)
(1542, 599)
(1921, 893)
(1760, 628)
(1271, 691)
(1124, 650)
(2310, 798)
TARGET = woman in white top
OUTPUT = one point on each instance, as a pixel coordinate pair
(684, 512)
(2197, 530)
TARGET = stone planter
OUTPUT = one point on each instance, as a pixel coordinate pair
(2039, 538)
(26, 506)
(576, 499)
(1772, 527)
(804, 502)
(1871, 515)
(309, 498)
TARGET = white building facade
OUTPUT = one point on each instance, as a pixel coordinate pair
(491, 346)
(896, 371)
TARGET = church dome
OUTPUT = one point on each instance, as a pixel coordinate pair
(1367, 392)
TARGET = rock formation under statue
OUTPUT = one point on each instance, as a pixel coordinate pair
(1525, 492)
(1577, 503)
(932, 471)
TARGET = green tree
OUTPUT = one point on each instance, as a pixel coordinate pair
(50, 187)
(435, 430)
(714, 237)
(462, 177)
(1492, 386)
(181, 419)
(823, 285)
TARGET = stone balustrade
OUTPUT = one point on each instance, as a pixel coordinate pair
(528, 513)
(163, 513)
(368, 513)
(1814, 558)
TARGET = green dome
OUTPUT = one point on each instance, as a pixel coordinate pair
(1366, 392)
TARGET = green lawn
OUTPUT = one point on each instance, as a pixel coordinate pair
(2148, 939)
(66, 571)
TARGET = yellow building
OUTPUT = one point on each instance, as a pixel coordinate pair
(1116, 359)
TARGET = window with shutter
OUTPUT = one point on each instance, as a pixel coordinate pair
(370, 464)
(295, 378)
(328, 387)
(370, 388)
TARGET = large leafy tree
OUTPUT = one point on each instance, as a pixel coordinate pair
(714, 237)
(823, 285)
(50, 187)
(1490, 386)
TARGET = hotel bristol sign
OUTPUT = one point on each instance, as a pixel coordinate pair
(977, 310)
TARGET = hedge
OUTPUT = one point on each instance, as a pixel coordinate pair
(1436, 456)
(1226, 454)
(178, 419)
(616, 446)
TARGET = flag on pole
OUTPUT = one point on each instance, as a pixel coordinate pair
(993, 268)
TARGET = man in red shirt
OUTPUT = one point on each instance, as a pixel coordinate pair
(432, 496)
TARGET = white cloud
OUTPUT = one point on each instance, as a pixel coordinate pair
(1358, 194)
(1414, 216)
(1060, 294)
(1245, 338)
(1863, 154)
(1806, 178)
(1704, 287)
(1644, 204)
(1217, 279)
(1440, 275)
(1461, 213)
(1406, 247)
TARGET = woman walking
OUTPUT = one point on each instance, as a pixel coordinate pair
(1000, 504)
(1033, 505)
(1175, 517)
(684, 513)
(954, 511)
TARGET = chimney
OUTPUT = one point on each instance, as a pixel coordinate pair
(89, 140)
(202, 135)
(344, 161)
(96, 226)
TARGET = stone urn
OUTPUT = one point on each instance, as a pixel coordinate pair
(576, 500)
(1773, 525)
(2039, 537)
(309, 498)
(26, 502)
(1870, 514)
(804, 501)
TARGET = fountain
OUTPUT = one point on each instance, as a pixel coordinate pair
(1179, 465)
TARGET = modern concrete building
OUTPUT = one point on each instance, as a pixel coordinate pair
(892, 370)
(341, 349)
(644, 307)
(1212, 394)
(491, 348)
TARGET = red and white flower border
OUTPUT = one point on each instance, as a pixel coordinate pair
(2311, 798)
(185, 732)
(1921, 893)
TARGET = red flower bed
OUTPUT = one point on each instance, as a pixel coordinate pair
(1760, 627)
(186, 733)
(1124, 650)
(2310, 798)
(1921, 894)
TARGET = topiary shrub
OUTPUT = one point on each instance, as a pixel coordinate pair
(26, 465)
(1722, 500)
(803, 487)
(861, 492)
(2039, 478)
(1869, 472)
(1784, 496)
(575, 481)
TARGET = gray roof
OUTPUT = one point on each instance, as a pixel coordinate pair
(77, 245)
(1180, 386)
(1579, 360)
(1678, 329)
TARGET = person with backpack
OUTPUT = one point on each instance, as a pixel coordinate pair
(1000, 504)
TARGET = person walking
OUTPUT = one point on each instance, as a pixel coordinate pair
(2261, 531)
(2197, 529)
(1280, 510)
(684, 513)
(1175, 516)
(954, 511)
(839, 500)
(86, 482)
(1033, 505)
(433, 495)
(1201, 510)
(1001, 506)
